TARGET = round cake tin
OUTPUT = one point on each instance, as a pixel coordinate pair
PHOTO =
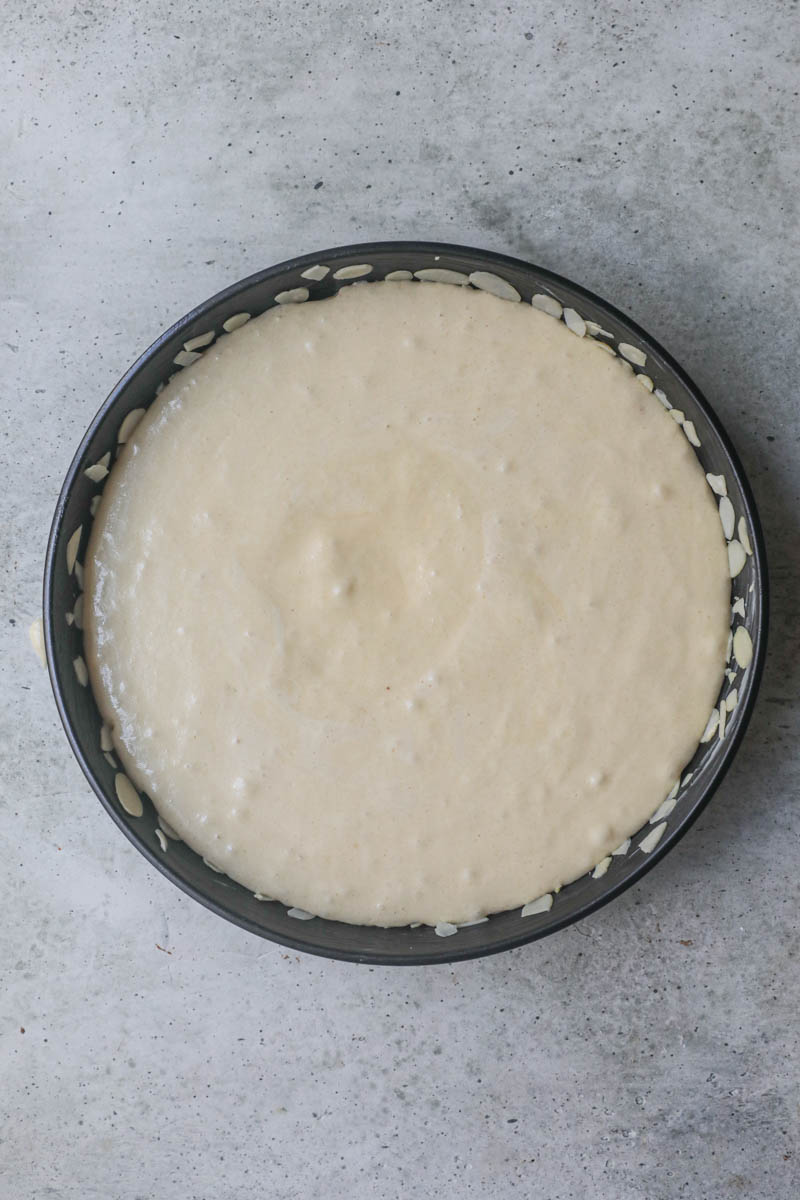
(321, 274)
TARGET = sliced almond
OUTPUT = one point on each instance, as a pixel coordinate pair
(677, 416)
(99, 470)
(633, 354)
(81, 674)
(622, 848)
(547, 304)
(717, 484)
(127, 795)
(597, 330)
(744, 536)
(398, 276)
(649, 843)
(235, 322)
(73, 546)
(736, 557)
(663, 810)
(645, 381)
(442, 275)
(691, 433)
(731, 700)
(199, 342)
(185, 358)
(575, 322)
(129, 424)
(727, 516)
(354, 272)
(543, 904)
(316, 273)
(487, 281)
(445, 929)
(293, 296)
(742, 647)
(711, 727)
(601, 867)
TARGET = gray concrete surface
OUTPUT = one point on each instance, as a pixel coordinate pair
(153, 153)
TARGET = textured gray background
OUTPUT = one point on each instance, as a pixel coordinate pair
(149, 158)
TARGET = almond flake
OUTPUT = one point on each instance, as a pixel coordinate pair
(542, 905)
(649, 843)
(736, 557)
(727, 516)
(744, 536)
(575, 322)
(633, 354)
(742, 647)
(547, 304)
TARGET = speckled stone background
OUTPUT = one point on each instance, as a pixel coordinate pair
(153, 153)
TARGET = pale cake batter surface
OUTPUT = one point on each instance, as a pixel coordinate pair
(407, 605)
